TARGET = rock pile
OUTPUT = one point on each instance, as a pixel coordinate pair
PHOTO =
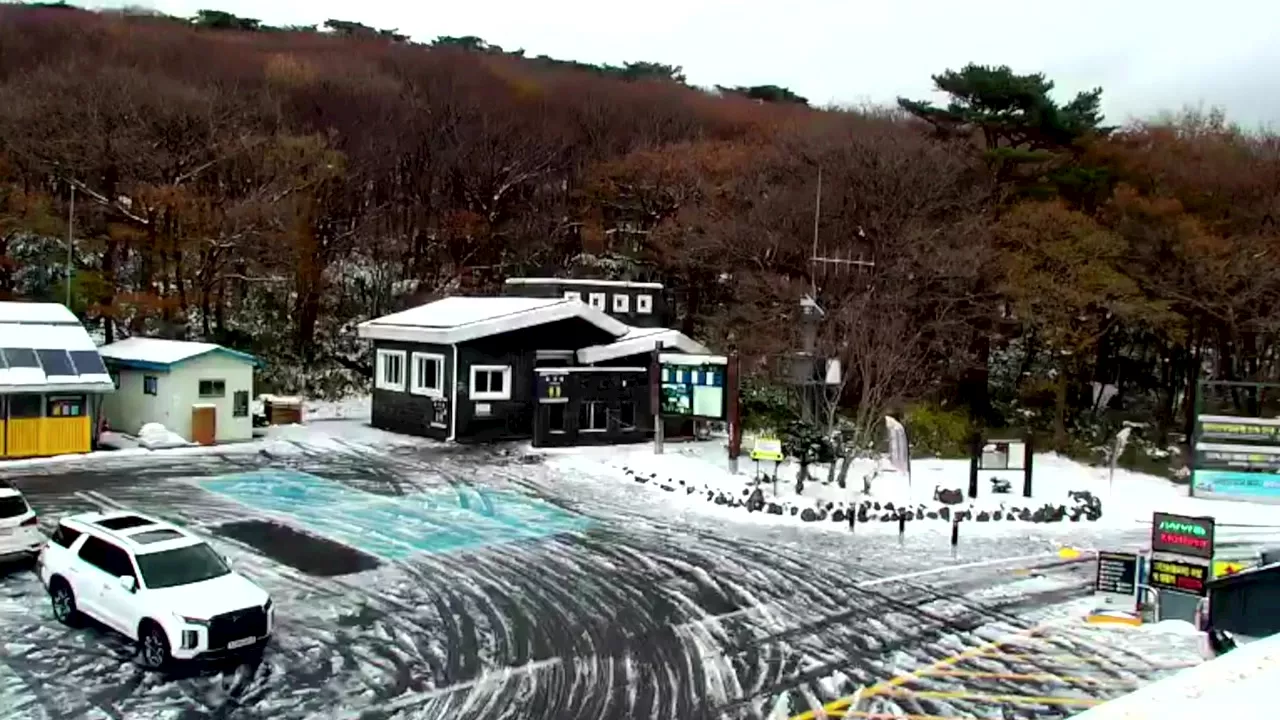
(1085, 506)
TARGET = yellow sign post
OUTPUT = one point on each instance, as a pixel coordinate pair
(767, 448)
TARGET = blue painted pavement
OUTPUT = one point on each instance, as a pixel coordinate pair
(396, 527)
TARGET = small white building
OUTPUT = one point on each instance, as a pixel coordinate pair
(200, 391)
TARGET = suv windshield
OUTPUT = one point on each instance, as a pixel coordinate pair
(183, 566)
(12, 506)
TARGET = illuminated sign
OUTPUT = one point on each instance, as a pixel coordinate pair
(1179, 575)
(1182, 535)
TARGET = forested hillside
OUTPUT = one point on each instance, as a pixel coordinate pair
(268, 188)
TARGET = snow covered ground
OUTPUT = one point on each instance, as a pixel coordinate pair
(1237, 684)
(423, 580)
(1127, 502)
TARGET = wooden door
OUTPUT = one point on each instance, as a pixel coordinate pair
(204, 424)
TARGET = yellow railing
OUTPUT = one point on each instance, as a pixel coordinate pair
(65, 435)
(23, 437)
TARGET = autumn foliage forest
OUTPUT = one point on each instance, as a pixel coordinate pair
(268, 188)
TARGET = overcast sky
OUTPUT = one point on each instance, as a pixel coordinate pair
(1148, 55)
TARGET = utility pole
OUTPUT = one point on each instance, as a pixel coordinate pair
(71, 224)
(817, 214)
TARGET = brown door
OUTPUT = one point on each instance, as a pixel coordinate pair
(204, 424)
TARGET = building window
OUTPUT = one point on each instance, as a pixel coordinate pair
(490, 382)
(390, 370)
(597, 301)
(627, 416)
(212, 388)
(428, 375)
(573, 295)
(644, 304)
(555, 418)
(25, 406)
(150, 385)
(593, 416)
(240, 404)
(69, 406)
(621, 303)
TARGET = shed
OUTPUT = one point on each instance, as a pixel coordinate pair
(1245, 603)
(200, 391)
(51, 381)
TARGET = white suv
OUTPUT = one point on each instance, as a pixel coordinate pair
(20, 535)
(154, 582)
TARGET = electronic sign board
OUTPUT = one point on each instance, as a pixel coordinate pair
(1182, 535)
(1186, 576)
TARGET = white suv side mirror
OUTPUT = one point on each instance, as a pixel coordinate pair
(129, 583)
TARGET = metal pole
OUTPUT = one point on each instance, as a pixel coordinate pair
(655, 394)
(71, 224)
(817, 212)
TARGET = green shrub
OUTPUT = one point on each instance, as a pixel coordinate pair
(938, 432)
(764, 406)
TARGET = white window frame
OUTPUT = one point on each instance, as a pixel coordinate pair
(621, 303)
(644, 304)
(379, 378)
(573, 295)
(416, 386)
(592, 406)
(505, 394)
(598, 301)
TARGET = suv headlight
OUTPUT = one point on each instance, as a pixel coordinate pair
(193, 620)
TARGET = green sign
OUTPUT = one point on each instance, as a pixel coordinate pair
(1238, 429)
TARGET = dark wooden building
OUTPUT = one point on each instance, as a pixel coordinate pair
(1246, 603)
(554, 369)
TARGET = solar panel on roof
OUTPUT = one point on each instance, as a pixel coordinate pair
(88, 362)
(21, 357)
(56, 362)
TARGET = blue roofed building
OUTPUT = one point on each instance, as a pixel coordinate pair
(199, 391)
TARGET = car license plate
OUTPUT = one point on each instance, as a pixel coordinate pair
(242, 642)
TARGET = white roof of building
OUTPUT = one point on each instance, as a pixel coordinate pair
(156, 350)
(461, 319)
(641, 340)
(33, 312)
(162, 354)
(584, 281)
(44, 348)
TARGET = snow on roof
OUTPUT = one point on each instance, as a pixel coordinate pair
(460, 319)
(43, 348)
(33, 312)
(584, 281)
(638, 341)
(161, 354)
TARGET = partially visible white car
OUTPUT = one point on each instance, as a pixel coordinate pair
(155, 583)
(20, 536)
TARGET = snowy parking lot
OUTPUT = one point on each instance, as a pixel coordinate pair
(415, 580)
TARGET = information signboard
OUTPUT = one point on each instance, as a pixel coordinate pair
(1117, 574)
(1182, 535)
(1180, 575)
(693, 385)
(1237, 457)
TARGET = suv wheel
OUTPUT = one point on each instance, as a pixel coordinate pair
(153, 647)
(64, 602)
